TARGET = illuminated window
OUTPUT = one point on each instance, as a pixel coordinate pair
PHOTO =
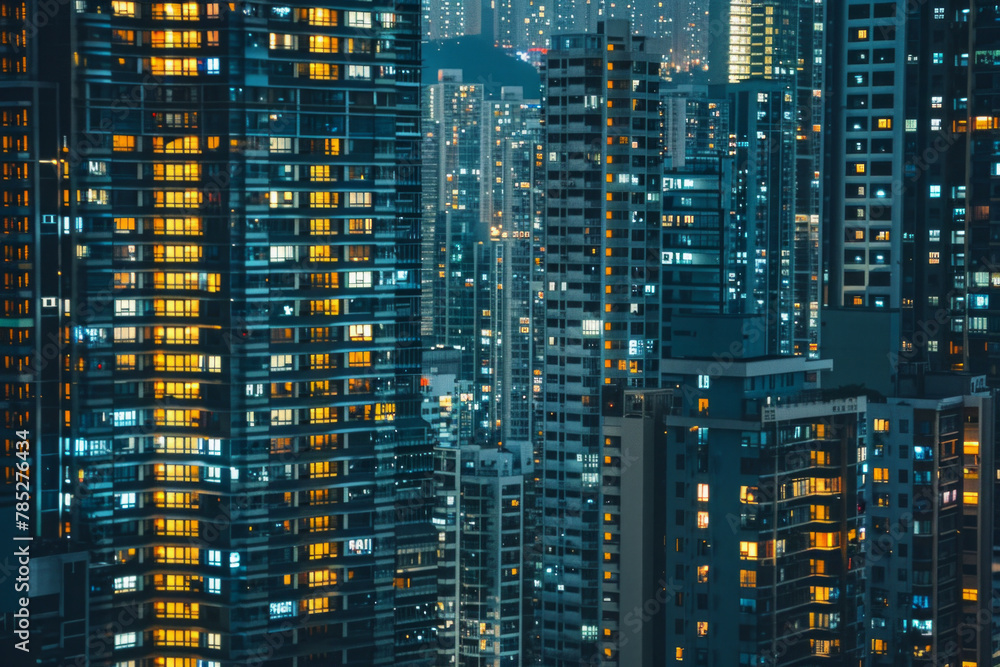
(176, 307)
(702, 574)
(359, 19)
(358, 253)
(173, 66)
(319, 469)
(320, 16)
(176, 527)
(360, 199)
(986, 123)
(176, 555)
(285, 42)
(321, 361)
(819, 593)
(702, 519)
(702, 628)
(358, 359)
(385, 411)
(175, 39)
(178, 226)
(124, 334)
(360, 332)
(325, 306)
(323, 44)
(319, 172)
(177, 198)
(703, 493)
(179, 335)
(315, 605)
(331, 146)
(359, 279)
(176, 609)
(177, 445)
(323, 71)
(359, 71)
(190, 171)
(323, 550)
(173, 472)
(163, 637)
(320, 226)
(125, 362)
(323, 416)
(125, 584)
(175, 582)
(324, 199)
(881, 426)
(359, 225)
(319, 524)
(281, 362)
(123, 142)
(186, 11)
(176, 145)
(748, 578)
(321, 578)
(124, 225)
(121, 8)
(748, 551)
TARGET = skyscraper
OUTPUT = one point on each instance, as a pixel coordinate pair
(603, 169)
(782, 41)
(31, 294)
(512, 207)
(239, 441)
(729, 229)
(523, 24)
(452, 229)
(907, 239)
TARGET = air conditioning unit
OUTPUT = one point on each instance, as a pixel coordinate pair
(50, 302)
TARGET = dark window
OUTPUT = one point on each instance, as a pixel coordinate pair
(858, 11)
(858, 56)
(885, 56)
(885, 10)
(883, 78)
(854, 278)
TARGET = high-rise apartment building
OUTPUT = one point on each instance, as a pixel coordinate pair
(452, 232)
(729, 230)
(512, 208)
(782, 41)
(482, 506)
(602, 268)
(909, 174)
(982, 186)
(31, 295)
(757, 533)
(521, 25)
(239, 444)
(927, 512)
(445, 19)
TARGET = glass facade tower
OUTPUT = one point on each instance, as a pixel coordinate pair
(236, 193)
